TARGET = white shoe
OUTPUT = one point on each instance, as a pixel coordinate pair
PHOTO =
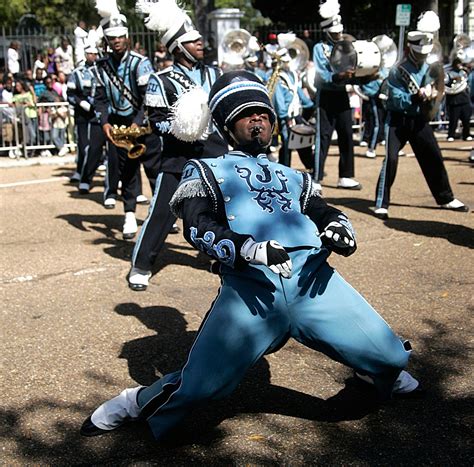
(363, 144)
(63, 151)
(456, 205)
(102, 168)
(11, 154)
(382, 143)
(46, 153)
(450, 139)
(469, 138)
(76, 177)
(117, 411)
(110, 203)
(84, 188)
(138, 279)
(370, 154)
(404, 384)
(381, 213)
(349, 184)
(130, 226)
(142, 199)
(401, 153)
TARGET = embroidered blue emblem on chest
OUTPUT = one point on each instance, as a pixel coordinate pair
(269, 187)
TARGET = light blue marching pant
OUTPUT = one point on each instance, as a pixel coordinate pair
(255, 313)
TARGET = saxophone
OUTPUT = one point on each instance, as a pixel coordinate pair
(126, 136)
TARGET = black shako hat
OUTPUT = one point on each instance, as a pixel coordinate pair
(232, 93)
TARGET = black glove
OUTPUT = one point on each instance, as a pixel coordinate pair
(270, 254)
(339, 237)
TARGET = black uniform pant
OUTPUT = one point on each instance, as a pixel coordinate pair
(121, 168)
(91, 141)
(400, 129)
(334, 113)
(373, 115)
(459, 112)
(158, 223)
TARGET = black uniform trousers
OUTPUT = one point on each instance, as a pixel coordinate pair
(373, 115)
(334, 112)
(458, 112)
(91, 141)
(158, 223)
(399, 129)
(121, 168)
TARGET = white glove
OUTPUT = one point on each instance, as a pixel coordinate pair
(270, 254)
(337, 236)
(85, 105)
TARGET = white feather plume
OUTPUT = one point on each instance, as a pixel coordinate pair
(329, 8)
(107, 8)
(190, 115)
(162, 14)
(285, 39)
(428, 21)
(253, 45)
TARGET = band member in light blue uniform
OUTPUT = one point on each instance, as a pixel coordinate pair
(81, 89)
(271, 234)
(410, 94)
(289, 100)
(123, 78)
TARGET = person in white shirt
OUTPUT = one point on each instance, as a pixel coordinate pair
(64, 58)
(80, 38)
(13, 58)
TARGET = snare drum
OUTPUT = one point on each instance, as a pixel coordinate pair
(301, 136)
(363, 57)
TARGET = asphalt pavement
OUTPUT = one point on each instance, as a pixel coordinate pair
(74, 334)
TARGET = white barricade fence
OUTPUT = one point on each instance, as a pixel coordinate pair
(45, 129)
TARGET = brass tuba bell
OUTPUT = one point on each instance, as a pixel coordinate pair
(126, 137)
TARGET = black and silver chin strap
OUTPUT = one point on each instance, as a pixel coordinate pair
(186, 53)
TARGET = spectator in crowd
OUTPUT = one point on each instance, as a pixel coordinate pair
(307, 39)
(64, 57)
(38, 84)
(60, 85)
(8, 114)
(162, 58)
(40, 64)
(24, 101)
(13, 58)
(57, 117)
(51, 61)
(210, 52)
(80, 38)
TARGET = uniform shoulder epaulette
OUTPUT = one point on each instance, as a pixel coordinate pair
(136, 54)
(165, 70)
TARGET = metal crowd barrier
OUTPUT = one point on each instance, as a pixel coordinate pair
(24, 136)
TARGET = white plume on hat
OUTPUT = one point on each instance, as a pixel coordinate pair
(329, 9)
(162, 14)
(285, 39)
(190, 115)
(107, 8)
(428, 21)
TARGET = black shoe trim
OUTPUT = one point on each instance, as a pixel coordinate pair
(137, 287)
(89, 429)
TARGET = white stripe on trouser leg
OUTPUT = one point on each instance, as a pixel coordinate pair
(114, 412)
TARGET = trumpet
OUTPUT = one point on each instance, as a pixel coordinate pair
(126, 136)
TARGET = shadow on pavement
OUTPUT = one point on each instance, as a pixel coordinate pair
(348, 428)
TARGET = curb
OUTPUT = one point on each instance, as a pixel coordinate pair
(22, 162)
